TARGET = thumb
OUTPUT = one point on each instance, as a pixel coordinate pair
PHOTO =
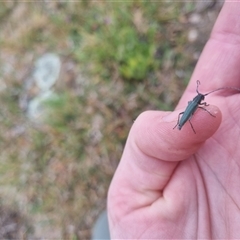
(155, 137)
(151, 154)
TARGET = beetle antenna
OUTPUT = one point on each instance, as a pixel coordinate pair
(198, 83)
(222, 88)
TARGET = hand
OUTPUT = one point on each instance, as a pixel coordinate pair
(173, 184)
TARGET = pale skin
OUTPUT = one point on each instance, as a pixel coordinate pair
(173, 184)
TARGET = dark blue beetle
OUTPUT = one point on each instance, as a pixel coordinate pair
(194, 105)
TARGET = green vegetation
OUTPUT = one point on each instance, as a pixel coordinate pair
(123, 57)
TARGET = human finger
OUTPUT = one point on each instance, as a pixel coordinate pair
(218, 65)
(152, 152)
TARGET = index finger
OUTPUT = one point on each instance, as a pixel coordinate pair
(218, 65)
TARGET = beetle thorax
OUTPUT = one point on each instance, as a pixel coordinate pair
(200, 97)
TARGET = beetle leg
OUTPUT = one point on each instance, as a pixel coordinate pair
(191, 123)
(204, 103)
(178, 119)
(192, 126)
(207, 111)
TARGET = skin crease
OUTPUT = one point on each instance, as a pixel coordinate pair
(173, 184)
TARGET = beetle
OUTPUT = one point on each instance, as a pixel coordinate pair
(194, 105)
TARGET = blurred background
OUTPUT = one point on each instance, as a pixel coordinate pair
(73, 77)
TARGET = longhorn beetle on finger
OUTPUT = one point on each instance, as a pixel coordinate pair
(194, 105)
